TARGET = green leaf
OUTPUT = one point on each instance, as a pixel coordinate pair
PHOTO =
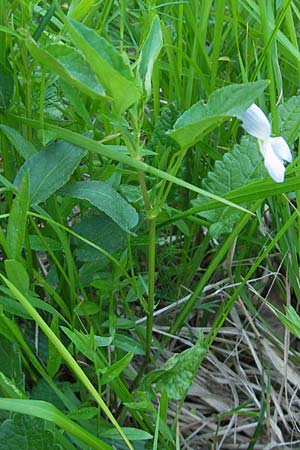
(79, 8)
(50, 169)
(69, 64)
(149, 53)
(37, 431)
(26, 433)
(82, 342)
(6, 86)
(16, 227)
(239, 167)
(54, 357)
(133, 434)
(84, 413)
(165, 121)
(11, 365)
(106, 199)
(128, 344)
(230, 101)
(75, 99)
(40, 245)
(177, 374)
(111, 372)
(8, 387)
(112, 70)
(17, 274)
(100, 230)
(289, 119)
(23, 147)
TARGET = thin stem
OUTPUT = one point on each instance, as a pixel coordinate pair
(151, 283)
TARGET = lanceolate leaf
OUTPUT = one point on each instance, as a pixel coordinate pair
(112, 70)
(149, 53)
(50, 169)
(69, 64)
(106, 199)
(23, 147)
(230, 101)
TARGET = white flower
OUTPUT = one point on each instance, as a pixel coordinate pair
(275, 150)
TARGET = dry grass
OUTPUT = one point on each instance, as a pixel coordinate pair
(246, 394)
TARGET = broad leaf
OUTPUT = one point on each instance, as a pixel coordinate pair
(100, 230)
(27, 433)
(50, 169)
(112, 70)
(17, 221)
(69, 64)
(35, 430)
(289, 119)
(239, 167)
(230, 101)
(23, 147)
(106, 199)
(177, 374)
(149, 53)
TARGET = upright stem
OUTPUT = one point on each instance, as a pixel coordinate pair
(151, 283)
(151, 264)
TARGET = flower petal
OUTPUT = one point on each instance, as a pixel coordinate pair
(273, 164)
(256, 123)
(281, 148)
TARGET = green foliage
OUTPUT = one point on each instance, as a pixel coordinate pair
(222, 104)
(176, 376)
(112, 69)
(106, 199)
(241, 166)
(149, 53)
(98, 240)
(70, 65)
(16, 227)
(288, 119)
(23, 146)
(6, 86)
(50, 169)
(100, 230)
(27, 433)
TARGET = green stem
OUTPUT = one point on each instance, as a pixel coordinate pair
(151, 284)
